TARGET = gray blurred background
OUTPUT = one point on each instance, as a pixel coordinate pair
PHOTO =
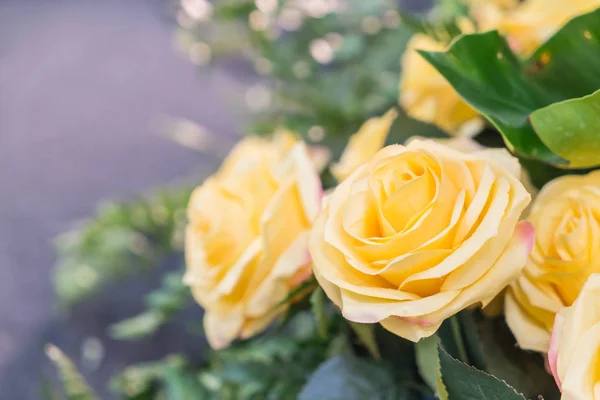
(83, 85)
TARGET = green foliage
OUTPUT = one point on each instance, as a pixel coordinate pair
(464, 382)
(318, 303)
(361, 79)
(75, 387)
(123, 239)
(471, 338)
(48, 391)
(275, 366)
(172, 377)
(351, 378)
(366, 336)
(524, 370)
(571, 128)
(162, 304)
(428, 363)
(508, 91)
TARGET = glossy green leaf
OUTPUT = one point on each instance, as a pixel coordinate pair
(428, 363)
(464, 382)
(350, 378)
(572, 129)
(491, 78)
(523, 370)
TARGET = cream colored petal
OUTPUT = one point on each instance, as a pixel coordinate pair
(581, 375)
(554, 347)
(299, 164)
(332, 266)
(222, 329)
(477, 205)
(529, 335)
(506, 269)
(332, 291)
(539, 296)
(581, 317)
(409, 330)
(502, 158)
(486, 230)
(420, 236)
(363, 145)
(366, 309)
(485, 257)
(254, 326)
(398, 269)
(233, 276)
(275, 286)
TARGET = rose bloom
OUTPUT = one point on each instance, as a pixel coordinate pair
(503, 4)
(566, 251)
(246, 242)
(468, 145)
(373, 134)
(419, 233)
(427, 96)
(530, 23)
(575, 345)
(363, 145)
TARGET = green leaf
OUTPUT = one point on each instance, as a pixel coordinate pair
(183, 386)
(317, 301)
(75, 387)
(523, 370)
(464, 382)
(490, 77)
(471, 339)
(366, 335)
(137, 380)
(428, 363)
(571, 129)
(121, 240)
(490, 80)
(139, 326)
(399, 353)
(48, 391)
(163, 303)
(350, 378)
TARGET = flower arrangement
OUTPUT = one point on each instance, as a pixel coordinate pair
(380, 243)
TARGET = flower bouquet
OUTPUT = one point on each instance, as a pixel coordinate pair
(366, 242)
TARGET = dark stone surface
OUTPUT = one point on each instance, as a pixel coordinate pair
(82, 85)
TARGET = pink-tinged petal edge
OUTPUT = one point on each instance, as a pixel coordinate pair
(553, 349)
(301, 276)
(219, 343)
(526, 232)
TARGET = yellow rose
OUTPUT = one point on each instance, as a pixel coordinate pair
(427, 96)
(532, 22)
(575, 345)
(468, 145)
(566, 251)
(419, 233)
(504, 4)
(363, 145)
(246, 242)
